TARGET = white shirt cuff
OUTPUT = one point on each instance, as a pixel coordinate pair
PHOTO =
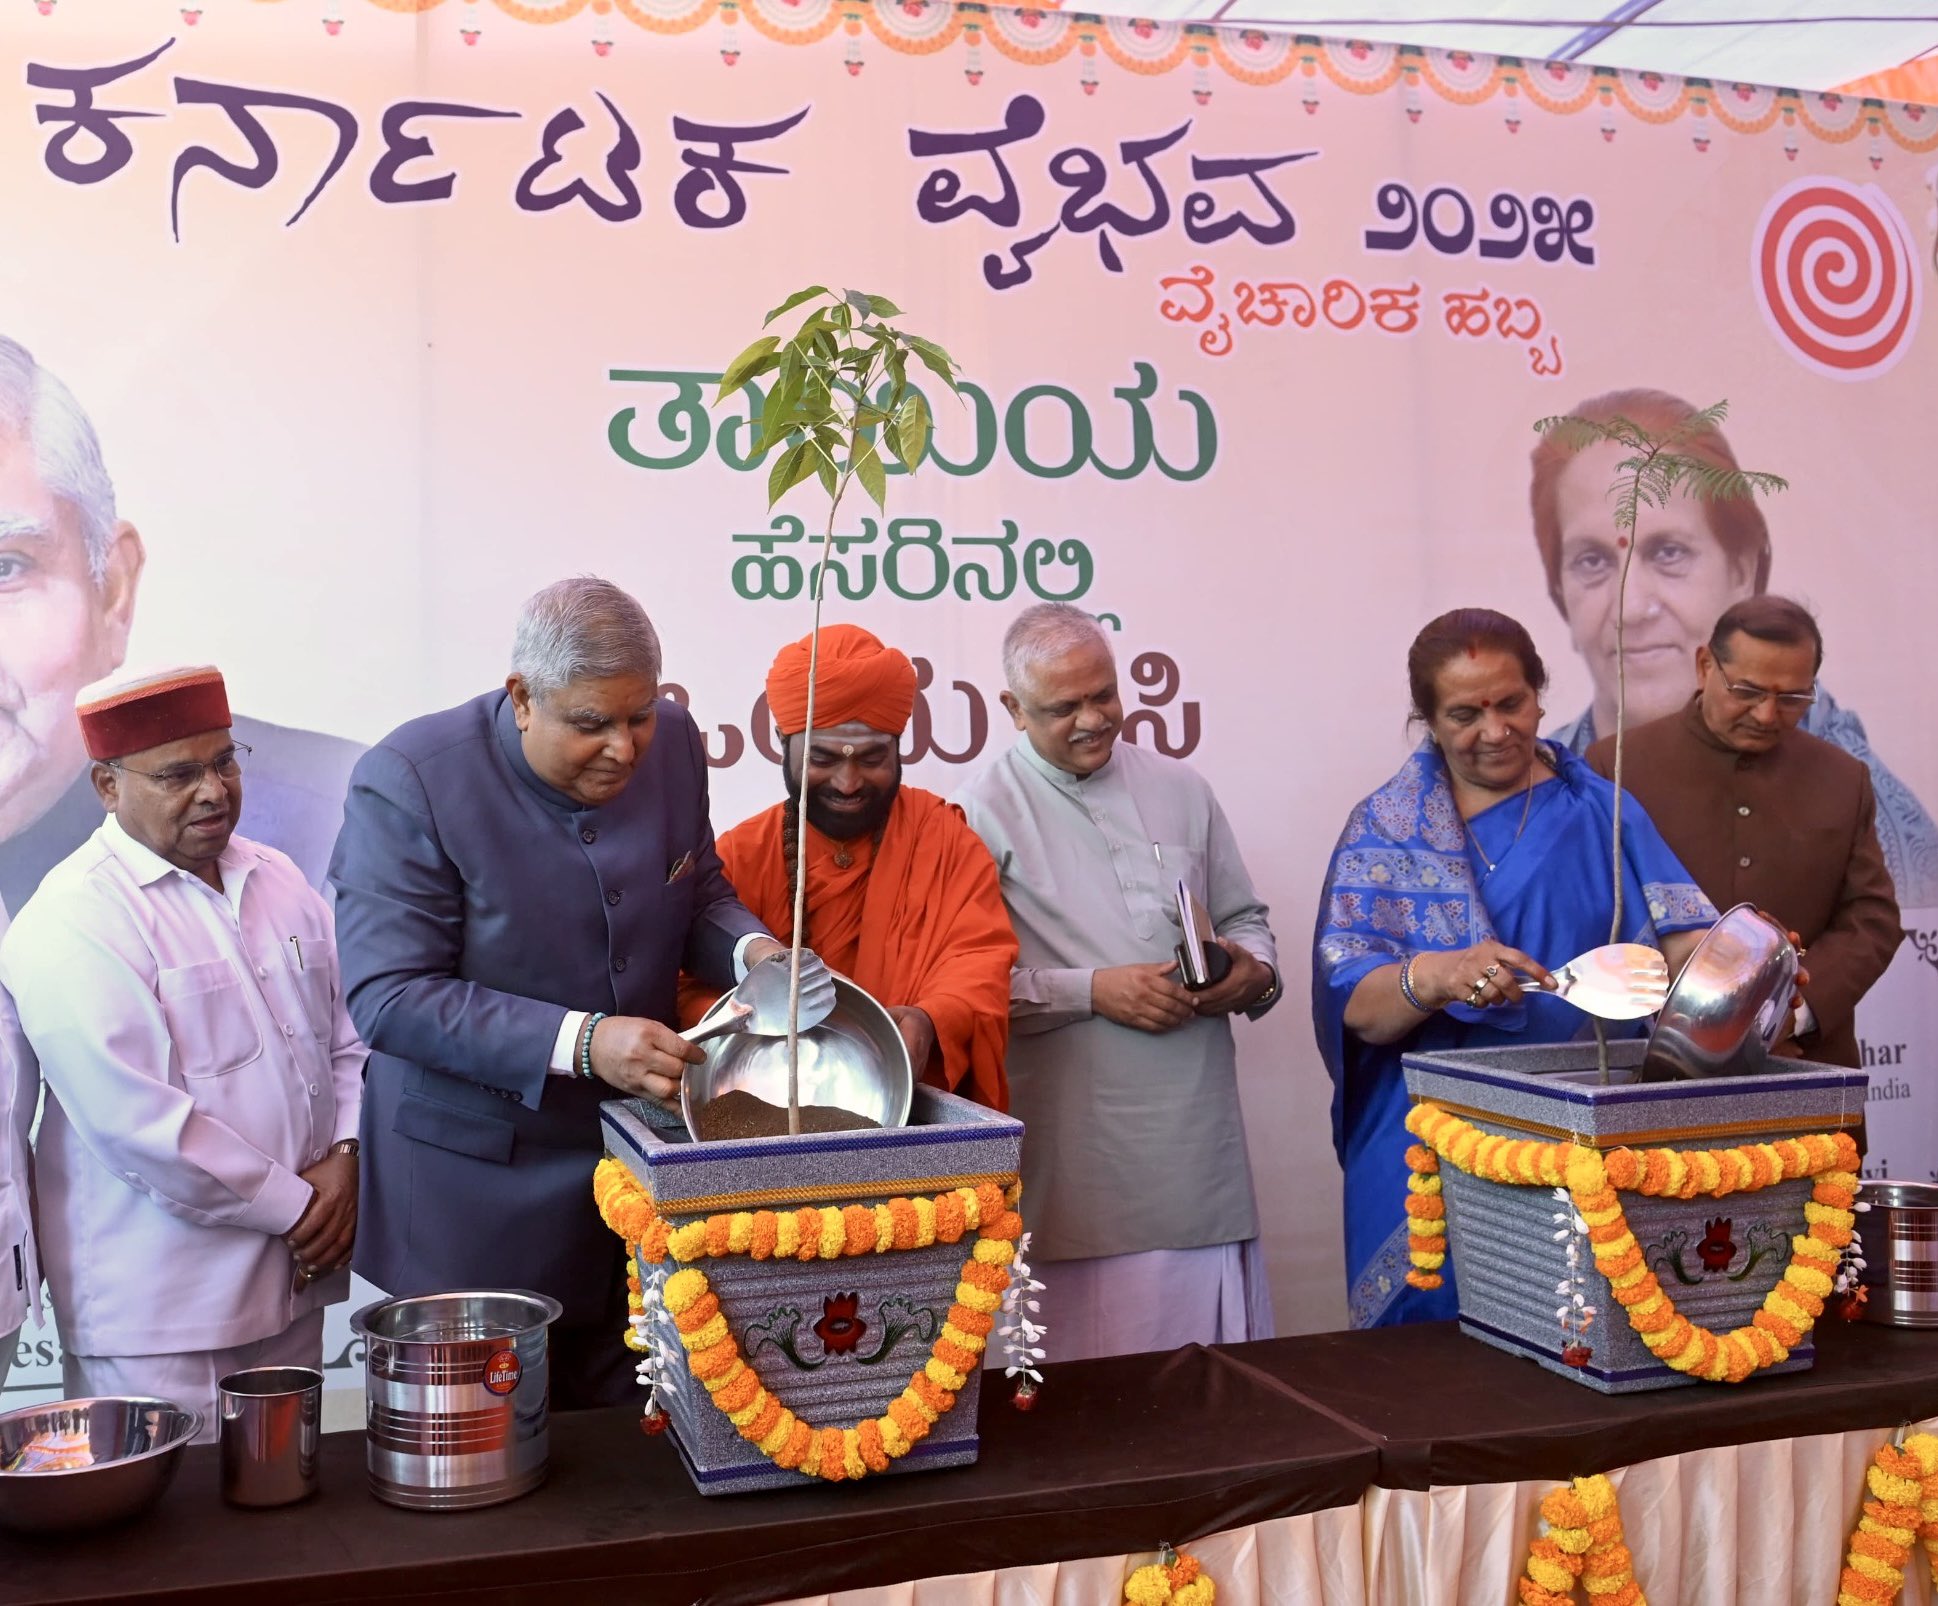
(740, 954)
(1806, 1021)
(565, 1048)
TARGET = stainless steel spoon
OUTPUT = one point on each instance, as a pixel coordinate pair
(1619, 981)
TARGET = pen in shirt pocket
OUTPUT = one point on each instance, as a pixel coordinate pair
(297, 944)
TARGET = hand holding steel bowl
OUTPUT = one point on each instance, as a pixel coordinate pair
(855, 1060)
(1731, 1004)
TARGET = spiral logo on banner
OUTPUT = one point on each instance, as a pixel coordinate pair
(1836, 276)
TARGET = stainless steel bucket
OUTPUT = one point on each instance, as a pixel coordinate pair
(1900, 1233)
(456, 1397)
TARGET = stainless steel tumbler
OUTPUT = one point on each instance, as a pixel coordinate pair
(271, 1421)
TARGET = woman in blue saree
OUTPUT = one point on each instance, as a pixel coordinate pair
(1487, 849)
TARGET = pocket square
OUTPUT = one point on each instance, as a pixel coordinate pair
(683, 865)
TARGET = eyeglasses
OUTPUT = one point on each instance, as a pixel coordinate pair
(183, 778)
(1789, 701)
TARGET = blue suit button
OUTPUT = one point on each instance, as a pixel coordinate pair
(619, 963)
(614, 897)
(588, 835)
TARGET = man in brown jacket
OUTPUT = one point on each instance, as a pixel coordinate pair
(1761, 812)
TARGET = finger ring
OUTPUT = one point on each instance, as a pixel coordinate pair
(1490, 972)
(1479, 988)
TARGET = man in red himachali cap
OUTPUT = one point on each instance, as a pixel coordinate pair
(901, 895)
(196, 1170)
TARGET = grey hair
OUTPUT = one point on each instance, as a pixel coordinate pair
(582, 629)
(35, 407)
(1041, 632)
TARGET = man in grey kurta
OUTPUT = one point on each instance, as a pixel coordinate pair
(1137, 1190)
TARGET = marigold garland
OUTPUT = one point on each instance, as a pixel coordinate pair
(1593, 1181)
(1174, 1580)
(827, 1233)
(1583, 1543)
(1904, 1510)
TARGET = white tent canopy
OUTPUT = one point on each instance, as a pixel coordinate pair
(1798, 44)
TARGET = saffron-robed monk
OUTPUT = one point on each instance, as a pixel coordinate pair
(902, 896)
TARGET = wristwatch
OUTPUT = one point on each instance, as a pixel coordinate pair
(348, 1146)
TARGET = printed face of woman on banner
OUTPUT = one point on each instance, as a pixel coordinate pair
(1692, 560)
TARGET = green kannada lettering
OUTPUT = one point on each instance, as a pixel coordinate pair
(920, 563)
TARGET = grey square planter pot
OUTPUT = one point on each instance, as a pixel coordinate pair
(877, 1315)
(1716, 1258)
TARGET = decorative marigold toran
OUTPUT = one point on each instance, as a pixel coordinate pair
(1595, 1183)
(824, 1233)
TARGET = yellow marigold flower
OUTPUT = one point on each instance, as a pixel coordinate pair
(971, 1207)
(787, 1235)
(968, 1341)
(1550, 1575)
(1678, 1172)
(777, 1434)
(1893, 1491)
(894, 1440)
(851, 1461)
(682, 1289)
(914, 1398)
(1745, 1173)
(834, 1233)
(994, 1251)
(943, 1375)
(884, 1229)
(978, 1298)
(1629, 1278)
(1573, 1540)
(1709, 1173)
(1809, 1279)
(706, 1335)
(1427, 1227)
(749, 1411)
(1427, 1259)
(1148, 1586)
(1874, 1569)
(1925, 1448)
(740, 1232)
(924, 1222)
(1597, 1496)
(1199, 1592)
(688, 1242)
(1427, 1183)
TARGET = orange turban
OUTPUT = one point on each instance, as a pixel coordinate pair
(858, 680)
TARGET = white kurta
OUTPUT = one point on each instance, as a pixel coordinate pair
(1133, 1140)
(197, 1056)
(19, 1095)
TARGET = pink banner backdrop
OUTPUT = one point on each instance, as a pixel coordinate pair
(388, 313)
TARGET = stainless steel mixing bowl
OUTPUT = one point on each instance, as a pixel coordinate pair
(1729, 1004)
(854, 1060)
(137, 1445)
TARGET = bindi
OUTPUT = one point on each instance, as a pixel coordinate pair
(1487, 702)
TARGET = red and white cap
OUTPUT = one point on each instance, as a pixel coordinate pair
(130, 713)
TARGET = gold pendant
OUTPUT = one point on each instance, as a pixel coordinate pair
(843, 858)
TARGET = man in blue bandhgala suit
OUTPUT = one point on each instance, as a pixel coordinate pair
(520, 881)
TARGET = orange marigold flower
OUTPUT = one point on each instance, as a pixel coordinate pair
(765, 1229)
(808, 1224)
(1185, 1572)
(718, 1228)
(1762, 1168)
(699, 1313)
(1608, 1231)
(907, 1222)
(990, 1279)
(714, 1361)
(1532, 1594)
(1607, 1561)
(858, 1222)
(1853, 1582)
(1563, 1509)
(1007, 1226)
(954, 1355)
(934, 1396)
(872, 1450)
(1422, 1159)
(1782, 1331)
(950, 1221)
(909, 1418)
(1627, 1595)
(989, 1201)
(1878, 1548)
(739, 1391)
(794, 1451)
(763, 1421)
(978, 1324)
(831, 1455)
(1622, 1167)
(1614, 1265)
(1423, 1279)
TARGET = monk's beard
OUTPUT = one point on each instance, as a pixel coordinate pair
(846, 827)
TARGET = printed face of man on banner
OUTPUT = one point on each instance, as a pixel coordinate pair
(68, 574)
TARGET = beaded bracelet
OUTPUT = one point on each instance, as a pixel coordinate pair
(585, 1043)
(1406, 985)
